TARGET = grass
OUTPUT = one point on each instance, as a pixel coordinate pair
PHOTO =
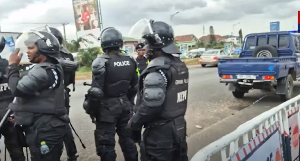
(84, 73)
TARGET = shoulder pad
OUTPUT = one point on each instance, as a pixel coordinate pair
(154, 89)
(105, 56)
(98, 65)
(36, 78)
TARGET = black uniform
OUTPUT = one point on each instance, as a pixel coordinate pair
(69, 78)
(113, 75)
(39, 103)
(142, 62)
(12, 137)
(162, 99)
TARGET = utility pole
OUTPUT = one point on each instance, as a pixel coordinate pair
(65, 35)
(203, 30)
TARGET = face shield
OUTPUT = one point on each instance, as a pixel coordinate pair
(142, 30)
(26, 43)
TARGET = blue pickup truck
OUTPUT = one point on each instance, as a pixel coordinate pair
(269, 61)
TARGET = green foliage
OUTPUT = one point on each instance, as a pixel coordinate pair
(86, 57)
(73, 46)
(200, 44)
(218, 47)
(84, 69)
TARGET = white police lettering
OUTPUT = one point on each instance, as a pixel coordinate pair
(4, 87)
(181, 96)
(182, 81)
(122, 63)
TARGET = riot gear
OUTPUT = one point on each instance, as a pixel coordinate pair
(69, 67)
(39, 96)
(13, 138)
(57, 34)
(114, 79)
(111, 38)
(162, 99)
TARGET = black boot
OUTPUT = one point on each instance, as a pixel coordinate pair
(73, 158)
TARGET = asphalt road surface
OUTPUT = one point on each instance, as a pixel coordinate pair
(209, 103)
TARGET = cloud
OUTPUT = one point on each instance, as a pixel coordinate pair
(8, 6)
(229, 10)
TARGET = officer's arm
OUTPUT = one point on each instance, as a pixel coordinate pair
(36, 80)
(133, 84)
(98, 78)
(154, 92)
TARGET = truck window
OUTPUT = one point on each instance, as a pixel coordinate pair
(273, 41)
(297, 43)
(283, 41)
(262, 40)
(250, 43)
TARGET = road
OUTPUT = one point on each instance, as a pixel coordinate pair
(209, 102)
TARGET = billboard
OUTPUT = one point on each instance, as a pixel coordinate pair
(274, 26)
(87, 22)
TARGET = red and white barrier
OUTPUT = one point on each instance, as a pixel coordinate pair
(271, 136)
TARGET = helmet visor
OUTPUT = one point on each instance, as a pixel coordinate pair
(27, 40)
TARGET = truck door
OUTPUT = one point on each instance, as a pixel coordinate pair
(297, 52)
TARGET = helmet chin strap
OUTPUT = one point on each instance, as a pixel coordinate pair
(36, 55)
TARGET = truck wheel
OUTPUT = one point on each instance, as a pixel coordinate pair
(238, 94)
(265, 51)
(203, 65)
(289, 88)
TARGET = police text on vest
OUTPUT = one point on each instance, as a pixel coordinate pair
(122, 63)
(181, 96)
(4, 87)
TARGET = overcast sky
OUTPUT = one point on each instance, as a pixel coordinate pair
(253, 15)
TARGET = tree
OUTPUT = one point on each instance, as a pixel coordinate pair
(88, 56)
(74, 45)
(200, 44)
(241, 35)
(212, 34)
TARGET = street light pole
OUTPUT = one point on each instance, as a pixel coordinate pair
(233, 30)
(172, 16)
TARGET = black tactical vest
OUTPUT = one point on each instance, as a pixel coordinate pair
(120, 69)
(177, 74)
(49, 101)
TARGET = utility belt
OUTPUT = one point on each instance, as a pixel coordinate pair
(177, 120)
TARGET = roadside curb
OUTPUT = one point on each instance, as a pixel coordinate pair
(221, 128)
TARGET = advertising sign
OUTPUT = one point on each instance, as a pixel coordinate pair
(274, 26)
(294, 133)
(87, 22)
(264, 147)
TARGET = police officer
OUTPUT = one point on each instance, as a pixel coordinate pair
(69, 78)
(12, 137)
(114, 77)
(141, 60)
(39, 96)
(162, 98)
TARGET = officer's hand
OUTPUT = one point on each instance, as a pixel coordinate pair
(11, 118)
(15, 57)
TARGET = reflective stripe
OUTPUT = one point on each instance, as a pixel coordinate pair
(137, 72)
(148, 62)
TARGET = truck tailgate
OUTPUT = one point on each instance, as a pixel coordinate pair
(248, 66)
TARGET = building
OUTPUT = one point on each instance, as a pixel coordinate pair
(207, 39)
(233, 39)
(186, 42)
(129, 45)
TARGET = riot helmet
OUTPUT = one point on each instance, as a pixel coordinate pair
(158, 35)
(57, 34)
(46, 43)
(139, 46)
(111, 38)
(2, 43)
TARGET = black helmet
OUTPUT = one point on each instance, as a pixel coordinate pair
(139, 46)
(57, 34)
(46, 42)
(111, 37)
(2, 43)
(160, 36)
